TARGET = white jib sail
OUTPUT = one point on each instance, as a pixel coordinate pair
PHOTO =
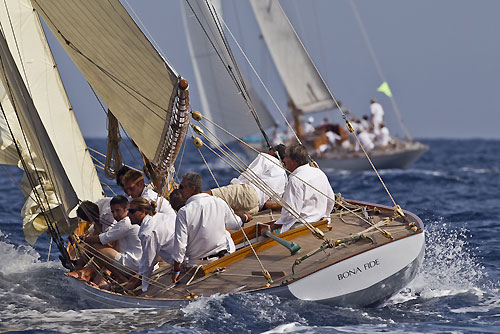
(119, 62)
(28, 47)
(221, 100)
(300, 77)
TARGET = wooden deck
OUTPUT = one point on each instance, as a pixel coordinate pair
(241, 271)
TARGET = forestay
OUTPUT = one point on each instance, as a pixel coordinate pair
(120, 63)
(45, 127)
(300, 77)
(222, 100)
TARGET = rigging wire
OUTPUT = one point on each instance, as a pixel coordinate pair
(125, 132)
(120, 83)
(48, 172)
(264, 270)
(378, 66)
(148, 34)
(349, 126)
(46, 213)
(237, 78)
(290, 127)
(257, 181)
(52, 227)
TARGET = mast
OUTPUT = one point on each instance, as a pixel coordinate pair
(225, 95)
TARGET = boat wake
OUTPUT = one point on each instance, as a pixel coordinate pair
(451, 267)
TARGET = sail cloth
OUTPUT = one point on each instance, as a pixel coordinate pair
(303, 83)
(46, 126)
(221, 100)
(119, 62)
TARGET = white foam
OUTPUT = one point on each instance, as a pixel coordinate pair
(20, 259)
(293, 327)
(70, 321)
(450, 267)
(480, 170)
(201, 305)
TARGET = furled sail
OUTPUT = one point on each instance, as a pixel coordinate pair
(300, 77)
(38, 117)
(221, 98)
(120, 63)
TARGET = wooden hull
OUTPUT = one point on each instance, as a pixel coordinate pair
(364, 273)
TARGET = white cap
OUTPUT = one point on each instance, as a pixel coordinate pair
(310, 119)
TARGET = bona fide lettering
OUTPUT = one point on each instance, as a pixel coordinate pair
(357, 270)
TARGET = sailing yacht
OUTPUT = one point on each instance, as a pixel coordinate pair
(363, 256)
(308, 93)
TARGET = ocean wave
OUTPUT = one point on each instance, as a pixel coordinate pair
(451, 267)
(480, 170)
(15, 259)
(293, 327)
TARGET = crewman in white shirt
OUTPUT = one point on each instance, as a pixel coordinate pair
(200, 227)
(247, 194)
(308, 126)
(383, 138)
(106, 218)
(308, 191)
(121, 263)
(377, 115)
(366, 139)
(134, 186)
(157, 239)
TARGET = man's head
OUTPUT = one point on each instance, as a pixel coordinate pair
(119, 207)
(373, 101)
(295, 156)
(133, 183)
(280, 150)
(119, 175)
(88, 211)
(138, 209)
(190, 185)
(176, 199)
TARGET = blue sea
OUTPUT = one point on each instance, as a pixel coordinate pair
(454, 188)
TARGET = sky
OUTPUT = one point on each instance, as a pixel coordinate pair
(440, 58)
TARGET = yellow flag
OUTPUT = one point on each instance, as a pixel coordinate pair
(384, 88)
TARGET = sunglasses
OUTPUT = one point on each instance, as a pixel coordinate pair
(134, 210)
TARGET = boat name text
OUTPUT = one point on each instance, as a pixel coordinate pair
(356, 270)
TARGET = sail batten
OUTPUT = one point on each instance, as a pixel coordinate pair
(119, 62)
(303, 83)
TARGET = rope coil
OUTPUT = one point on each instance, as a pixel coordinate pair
(114, 156)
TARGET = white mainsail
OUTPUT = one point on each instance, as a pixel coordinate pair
(44, 124)
(120, 63)
(298, 73)
(222, 100)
